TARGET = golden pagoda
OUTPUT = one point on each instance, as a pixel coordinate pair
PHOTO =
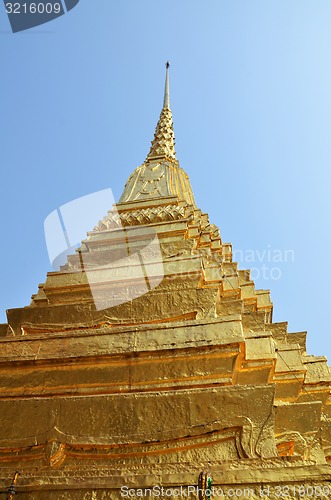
(149, 366)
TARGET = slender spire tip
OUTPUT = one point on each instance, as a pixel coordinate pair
(166, 101)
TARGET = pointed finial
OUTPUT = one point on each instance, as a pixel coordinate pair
(163, 144)
(166, 102)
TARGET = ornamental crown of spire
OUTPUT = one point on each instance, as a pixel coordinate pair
(160, 176)
(163, 144)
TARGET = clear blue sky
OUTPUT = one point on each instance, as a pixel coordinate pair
(251, 99)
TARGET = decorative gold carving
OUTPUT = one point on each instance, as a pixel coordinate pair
(141, 217)
(293, 443)
(55, 453)
(158, 179)
(160, 175)
(163, 144)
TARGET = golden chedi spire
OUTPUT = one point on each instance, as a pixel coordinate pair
(160, 175)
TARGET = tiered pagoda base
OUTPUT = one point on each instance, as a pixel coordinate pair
(191, 376)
